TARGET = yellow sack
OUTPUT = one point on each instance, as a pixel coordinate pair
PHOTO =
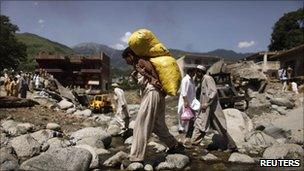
(145, 44)
(168, 73)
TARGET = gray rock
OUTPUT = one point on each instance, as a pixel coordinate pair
(238, 125)
(56, 143)
(26, 146)
(135, 166)
(148, 167)
(173, 161)
(95, 160)
(103, 118)
(240, 158)
(16, 128)
(282, 102)
(4, 140)
(26, 127)
(8, 161)
(100, 151)
(45, 146)
(95, 142)
(281, 110)
(70, 158)
(53, 126)
(93, 132)
(116, 159)
(275, 132)
(43, 136)
(71, 110)
(158, 147)
(85, 113)
(64, 104)
(209, 157)
(259, 139)
(297, 136)
(284, 151)
(113, 130)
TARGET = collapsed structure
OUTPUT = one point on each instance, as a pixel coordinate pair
(192, 60)
(76, 70)
(271, 62)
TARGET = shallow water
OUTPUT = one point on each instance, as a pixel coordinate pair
(195, 162)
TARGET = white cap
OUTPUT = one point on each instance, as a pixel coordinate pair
(201, 67)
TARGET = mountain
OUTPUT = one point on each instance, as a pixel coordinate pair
(37, 43)
(228, 54)
(92, 48)
(34, 44)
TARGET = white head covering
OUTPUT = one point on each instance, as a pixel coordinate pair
(201, 67)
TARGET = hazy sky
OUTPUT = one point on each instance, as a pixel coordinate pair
(194, 26)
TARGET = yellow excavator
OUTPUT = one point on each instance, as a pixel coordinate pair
(101, 104)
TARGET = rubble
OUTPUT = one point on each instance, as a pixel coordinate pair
(15, 102)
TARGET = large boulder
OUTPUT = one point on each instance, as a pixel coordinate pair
(16, 128)
(26, 146)
(258, 139)
(64, 104)
(240, 158)
(43, 136)
(93, 132)
(61, 159)
(116, 160)
(95, 160)
(173, 161)
(282, 102)
(95, 142)
(8, 160)
(56, 143)
(238, 125)
(284, 151)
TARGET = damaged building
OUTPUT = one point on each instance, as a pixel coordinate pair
(192, 60)
(76, 70)
(271, 62)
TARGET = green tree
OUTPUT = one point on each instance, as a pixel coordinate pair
(11, 51)
(288, 31)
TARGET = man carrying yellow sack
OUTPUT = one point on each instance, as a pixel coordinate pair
(151, 114)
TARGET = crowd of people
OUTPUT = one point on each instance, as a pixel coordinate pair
(17, 84)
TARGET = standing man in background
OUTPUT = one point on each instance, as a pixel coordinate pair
(122, 111)
(187, 95)
(211, 113)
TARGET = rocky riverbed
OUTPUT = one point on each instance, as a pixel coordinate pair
(59, 135)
